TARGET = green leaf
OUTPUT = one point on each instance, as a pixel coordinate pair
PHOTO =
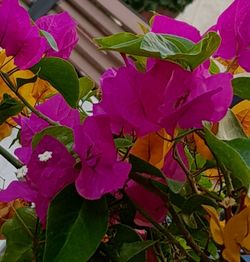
(61, 133)
(19, 241)
(233, 155)
(123, 143)
(23, 81)
(205, 182)
(194, 203)
(241, 86)
(174, 186)
(50, 39)
(190, 221)
(85, 86)
(141, 166)
(213, 68)
(130, 250)
(61, 75)
(169, 47)
(230, 128)
(123, 234)
(242, 146)
(75, 227)
(9, 107)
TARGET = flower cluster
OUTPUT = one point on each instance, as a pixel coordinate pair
(168, 117)
(22, 39)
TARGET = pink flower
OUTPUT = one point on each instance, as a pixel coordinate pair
(50, 169)
(101, 172)
(171, 167)
(233, 26)
(18, 36)
(192, 97)
(148, 201)
(166, 25)
(165, 96)
(63, 28)
(56, 109)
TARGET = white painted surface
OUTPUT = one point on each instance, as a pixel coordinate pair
(204, 13)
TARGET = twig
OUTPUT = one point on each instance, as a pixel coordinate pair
(189, 175)
(25, 102)
(14, 161)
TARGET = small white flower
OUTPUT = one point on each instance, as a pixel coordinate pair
(228, 202)
(45, 156)
(21, 172)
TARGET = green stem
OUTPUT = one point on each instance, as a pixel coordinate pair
(14, 161)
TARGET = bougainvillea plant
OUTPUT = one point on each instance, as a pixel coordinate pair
(159, 170)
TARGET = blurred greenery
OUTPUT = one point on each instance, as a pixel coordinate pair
(152, 5)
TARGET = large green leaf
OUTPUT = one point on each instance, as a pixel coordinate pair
(233, 155)
(61, 133)
(75, 227)
(230, 128)
(19, 241)
(169, 47)
(61, 75)
(9, 107)
(241, 86)
(242, 146)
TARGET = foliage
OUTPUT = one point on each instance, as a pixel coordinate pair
(158, 169)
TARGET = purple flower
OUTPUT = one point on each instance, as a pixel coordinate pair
(233, 26)
(192, 97)
(18, 36)
(56, 109)
(171, 167)
(63, 28)
(165, 96)
(125, 102)
(101, 172)
(50, 169)
(148, 201)
(166, 25)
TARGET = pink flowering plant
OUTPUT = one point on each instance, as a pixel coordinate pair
(158, 170)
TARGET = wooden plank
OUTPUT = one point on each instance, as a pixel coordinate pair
(129, 20)
(97, 16)
(84, 67)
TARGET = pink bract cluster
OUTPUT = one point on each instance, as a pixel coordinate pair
(164, 96)
(21, 38)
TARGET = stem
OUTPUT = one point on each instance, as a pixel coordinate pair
(189, 175)
(8, 82)
(35, 111)
(14, 161)
(178, 137)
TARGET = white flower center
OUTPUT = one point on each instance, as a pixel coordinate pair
(21, 172)
(45, 156)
